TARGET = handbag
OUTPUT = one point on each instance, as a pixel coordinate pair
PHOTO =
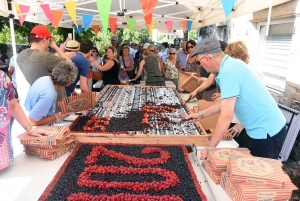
(97, 76)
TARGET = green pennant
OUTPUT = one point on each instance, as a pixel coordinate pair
(104, 9)
(131, 24)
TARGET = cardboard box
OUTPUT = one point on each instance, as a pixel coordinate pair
(78, 103)
(59, 133)
(220, 157)
(257, 171)
(215, 176)
(190, 83)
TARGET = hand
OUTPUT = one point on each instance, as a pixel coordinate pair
(215, 96)
(192, 95)
(166, 75)
(204, 153)
(194, 116)
(38, 132)
(60, 117)
(236, 130)
(74, 93)
(68, 39)
(52, 44)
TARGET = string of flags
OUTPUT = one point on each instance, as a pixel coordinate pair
(104, 7)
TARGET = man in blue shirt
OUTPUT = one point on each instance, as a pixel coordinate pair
(82, 63)
(242, 94)
(182, 57)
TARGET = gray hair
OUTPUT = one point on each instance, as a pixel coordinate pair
(64, 74)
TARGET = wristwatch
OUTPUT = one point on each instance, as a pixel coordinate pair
(201, 115)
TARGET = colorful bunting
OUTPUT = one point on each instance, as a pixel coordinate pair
(79, 27)
(131, 24)
(112, 24)
(47, 11)
(96, 29)
(87, 19)
(24, 10)
(227, 6)
(189, 25)
(148, 7)
(151, 27)
(115, 32)
(184, 23)
(71, 8)
(17, 7)
(169, 24)
(104, 9)
(56, 14)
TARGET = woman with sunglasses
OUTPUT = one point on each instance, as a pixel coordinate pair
(151, 65)
(191, 64)
(169, 67)
(97, 75)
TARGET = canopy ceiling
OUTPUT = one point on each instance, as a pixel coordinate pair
(201, 12)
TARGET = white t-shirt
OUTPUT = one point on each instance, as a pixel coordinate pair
(12, 63)
(164, 54)
(95, 69)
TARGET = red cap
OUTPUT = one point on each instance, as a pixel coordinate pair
(40, 32)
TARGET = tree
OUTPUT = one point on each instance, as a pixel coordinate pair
(193, 35)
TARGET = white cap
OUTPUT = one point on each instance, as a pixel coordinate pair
(146, 45)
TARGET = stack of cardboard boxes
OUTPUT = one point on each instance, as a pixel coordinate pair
(50, 147)
(247, 178)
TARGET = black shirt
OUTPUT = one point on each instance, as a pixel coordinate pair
(111, 76)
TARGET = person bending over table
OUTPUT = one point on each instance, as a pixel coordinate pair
(9, 107)
(110, 70)
(244, 95)
(151, 65)
(41, 98)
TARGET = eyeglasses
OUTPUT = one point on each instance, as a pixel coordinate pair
(172, 53)
(199, 62)
(151, 50)
(189, 47)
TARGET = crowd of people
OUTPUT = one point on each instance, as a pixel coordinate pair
(41, 79)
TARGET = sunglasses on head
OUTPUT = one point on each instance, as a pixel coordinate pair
(190, 47)
(171, 53)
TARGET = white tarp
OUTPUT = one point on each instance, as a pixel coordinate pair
(202, 12)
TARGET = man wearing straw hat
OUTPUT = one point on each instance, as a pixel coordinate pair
(242, 94)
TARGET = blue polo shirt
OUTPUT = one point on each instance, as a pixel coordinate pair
(255, 107)
(83, 66)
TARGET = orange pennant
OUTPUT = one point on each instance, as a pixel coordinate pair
(148, 7)
(96, 29)
(112, 23)
(184, 23)
(57, 15)
(148, 19)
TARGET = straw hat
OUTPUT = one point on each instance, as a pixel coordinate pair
(72, 45)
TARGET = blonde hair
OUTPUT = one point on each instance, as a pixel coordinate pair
(145, 52)
(114, 50)
(237, 50)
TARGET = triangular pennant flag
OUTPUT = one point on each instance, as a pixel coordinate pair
(71, 8)
(148, 20)
(115, 32)
(227, 6)
(96, 29)
(17, 7)
(131, 24)
(79, 27)
(112, 24)
(56, 14)
(169, 24)
(104, 9)
(87, 19)
(148, 7)
(47, 11)
(189, 25)
(184, 23)
(24, 10)
(151, 27)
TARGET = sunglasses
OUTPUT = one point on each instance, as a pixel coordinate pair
(172, 53)
(151, 50)
(95, 51)
(190, 47)
(133, 44)
(141, 46)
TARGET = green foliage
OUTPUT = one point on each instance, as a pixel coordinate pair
(193, 34)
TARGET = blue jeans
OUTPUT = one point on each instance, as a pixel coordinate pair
(267, 148)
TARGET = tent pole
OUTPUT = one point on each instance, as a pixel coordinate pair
(74, 32)
(12, 29)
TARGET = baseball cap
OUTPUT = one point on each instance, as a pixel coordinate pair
(40, 31)
(207, 46)
(114, 38)
(72, 45)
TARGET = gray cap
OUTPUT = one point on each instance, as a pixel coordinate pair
(114, 38)
(207, 46)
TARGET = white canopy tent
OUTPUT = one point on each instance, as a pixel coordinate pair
(201, 12)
